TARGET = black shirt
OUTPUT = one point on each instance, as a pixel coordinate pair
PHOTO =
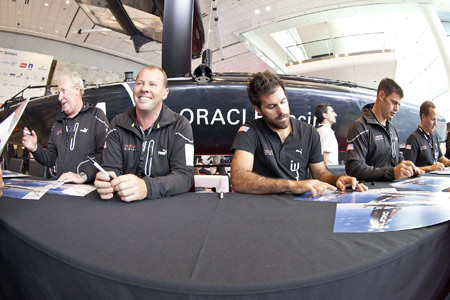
(422, 149)
(274, 159)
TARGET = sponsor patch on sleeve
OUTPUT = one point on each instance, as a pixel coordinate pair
(189, 150)
(244, 128)
(408, 147)
(349, 147)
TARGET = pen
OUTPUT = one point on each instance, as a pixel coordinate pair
(99, 167)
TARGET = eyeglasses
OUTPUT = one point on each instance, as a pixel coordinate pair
(65, 91)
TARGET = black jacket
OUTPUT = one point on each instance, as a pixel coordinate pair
(163, 157)
(372, 149)
(72, 139)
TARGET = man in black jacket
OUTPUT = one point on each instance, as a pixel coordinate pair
(149, 150)
(372, 141)
(79, 130)
(422, 146)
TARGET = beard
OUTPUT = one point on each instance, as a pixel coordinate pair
(278, 123)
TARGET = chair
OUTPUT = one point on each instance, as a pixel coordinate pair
(36, 169)
(15, 165)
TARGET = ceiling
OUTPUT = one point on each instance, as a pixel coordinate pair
(359, 41)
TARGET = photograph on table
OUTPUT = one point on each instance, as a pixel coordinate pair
(392, 212)
(28, 189)
(347, 196)
(424, 183)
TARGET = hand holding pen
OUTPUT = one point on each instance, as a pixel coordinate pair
(103, 182)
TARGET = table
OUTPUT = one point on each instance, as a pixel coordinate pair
(198, 246)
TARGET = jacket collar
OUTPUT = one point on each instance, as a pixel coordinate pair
(62, 115)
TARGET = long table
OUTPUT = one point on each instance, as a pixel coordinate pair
(198, 246)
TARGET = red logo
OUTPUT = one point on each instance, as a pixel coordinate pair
(23, 65)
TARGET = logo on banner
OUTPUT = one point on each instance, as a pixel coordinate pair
(23, 65)
(30, 66)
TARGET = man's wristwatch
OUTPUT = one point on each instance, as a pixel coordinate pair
(83, 176)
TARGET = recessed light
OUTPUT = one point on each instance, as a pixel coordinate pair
(257, 11)
(67, 2)
(46, 4)
(268, 8)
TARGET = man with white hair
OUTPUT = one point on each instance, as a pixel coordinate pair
(79, 130)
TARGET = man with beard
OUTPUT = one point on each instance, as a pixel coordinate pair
(372, 141)
(422, 146)
(272, 153)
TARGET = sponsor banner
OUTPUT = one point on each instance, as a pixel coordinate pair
(20, 69)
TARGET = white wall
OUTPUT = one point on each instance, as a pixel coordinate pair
(95, 67)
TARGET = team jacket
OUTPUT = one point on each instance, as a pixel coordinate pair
(163, 157)
(422, 149)
(72, 139)
(372, 149)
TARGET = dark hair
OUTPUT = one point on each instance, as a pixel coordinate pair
(389, 86)
(320, 110)
(425, 108)
(262, 83)
(156, 68)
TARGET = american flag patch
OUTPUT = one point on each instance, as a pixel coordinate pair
(408, 146)
(244, 128)
(349, 147)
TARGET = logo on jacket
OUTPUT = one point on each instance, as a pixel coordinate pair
(350, 147)
(424, 147)
(299, 151)
(59, 132)
(408, 147)
(379, 137)
(129, 147)
(84, 130)
(267, 152)
(162, 152)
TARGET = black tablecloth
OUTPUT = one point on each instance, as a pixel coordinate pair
(197, 246)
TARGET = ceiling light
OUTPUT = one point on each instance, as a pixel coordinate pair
(257, 11)
(46, 4)
(268, 8)
(67, 2)
(56, 31)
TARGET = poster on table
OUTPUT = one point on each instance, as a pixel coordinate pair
(28, 189)
(425, 183)
(20, 69)
(401, 210)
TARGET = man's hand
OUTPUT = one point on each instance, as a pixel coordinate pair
(344, 180)
(130, 187)
(406, 169)
(314, 186)
(104, 186)
(437, 166)
(29, 140)
(71, 177)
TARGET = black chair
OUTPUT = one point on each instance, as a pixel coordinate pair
(36, 169)
(15, 165)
